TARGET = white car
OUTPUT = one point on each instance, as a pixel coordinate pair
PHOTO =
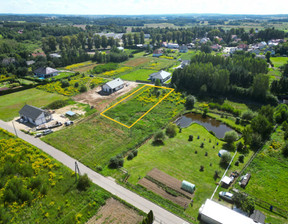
(226, 196)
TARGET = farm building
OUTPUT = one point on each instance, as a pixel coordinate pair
(183, 49)
(113, 86)
(34, 115)
(163, 76)
(214, 213)
(46, 72)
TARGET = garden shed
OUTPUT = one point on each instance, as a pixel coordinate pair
(187, 186)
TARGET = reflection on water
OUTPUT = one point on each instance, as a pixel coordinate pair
(209, 123)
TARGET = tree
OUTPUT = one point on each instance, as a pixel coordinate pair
(285, 150)
(230, 137)
(52, 43)
(142, 37)
(246, 203)
(248, 115)
(268, 55)
(260, 86)
(97, 41)
(124, 39)
(149, 219)
(159, 137)
(190, 101)
(83, 182)
(90, 43)
(225, 158)
(157, 82)
(136, 38)
(104, 41)
(111, 42)
(130, 40)
(261, 125)
(171, 130)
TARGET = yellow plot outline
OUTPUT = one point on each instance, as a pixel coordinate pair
(161, 87)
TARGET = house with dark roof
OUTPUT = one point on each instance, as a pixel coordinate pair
(34, 115)
(113, 86)
(163, 76)
(46, 72)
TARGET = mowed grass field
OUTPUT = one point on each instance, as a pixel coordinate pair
(138, 61)
(10, 104)
(279, 61)
(178, 158)
(268, 170)
(96, 139)
(140, 74)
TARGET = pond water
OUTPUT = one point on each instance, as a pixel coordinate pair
(209, 123)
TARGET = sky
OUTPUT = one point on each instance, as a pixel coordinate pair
(143, 7)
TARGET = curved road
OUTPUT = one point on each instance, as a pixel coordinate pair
(161, 215)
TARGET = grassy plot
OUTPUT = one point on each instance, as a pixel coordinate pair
(160, 63)
(138, 61)
(182, 159)
(268, 170)
(10, 104)
(131, 109)
(279, 61)
(140, 74)
(96, 139)
(38, 189)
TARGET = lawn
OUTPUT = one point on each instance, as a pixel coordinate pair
(10, 104)
(160, 64)
(138, 61)
(268, 170)
(178, 158)
(39, 189)
(63, 75)
(188, 55)
(140, 74)
(96, 139)
(279, 61)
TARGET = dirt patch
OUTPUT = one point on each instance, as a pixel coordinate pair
(179, 200)
(138, 61)
(167, 180)
(100, 102)
(115, 212)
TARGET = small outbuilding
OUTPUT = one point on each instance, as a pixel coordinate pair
(34, 115)
(70, 113)
(113, 86)
(187, 186)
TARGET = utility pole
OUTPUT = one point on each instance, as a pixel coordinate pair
(14, 129)
(77, 170)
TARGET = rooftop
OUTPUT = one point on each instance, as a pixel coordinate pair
(115, 83)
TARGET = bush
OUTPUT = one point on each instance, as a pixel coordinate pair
(130, 156)
(248, 115)
(83, 183)
(135, 152)
(83, 89)
(201, 168)
(76, 84)
(206, 153)
(285, 150)
(190, 139)
(237, 163)
(99, 168)
(65, 84)
(225, 158)
(230, 137)
(202, 145)
(159, 137)
(57, 104)
(241, 158)
(171, 130)
(116, 162)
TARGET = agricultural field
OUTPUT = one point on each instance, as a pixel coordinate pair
(10, 104)
(72, 87)
(134, 107)
(269, 176)
(140, 74)
(138, 61)
(182, 159)
(115, 72)
(92, 143)
(279, 61)
(37, 189)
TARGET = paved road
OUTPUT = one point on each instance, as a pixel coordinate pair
(161, 215)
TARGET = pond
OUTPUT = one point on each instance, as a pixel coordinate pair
(209, 123)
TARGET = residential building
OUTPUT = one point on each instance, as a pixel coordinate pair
(55, 55)
(173, 46)
(216, 47)
(46, 72)
(34, 115)
(157, 53)
(163, 76)
(113, 86)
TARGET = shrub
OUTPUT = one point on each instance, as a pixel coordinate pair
(116, 162)
(57, 104)
(230, 137)
(248, 115)
(216, 174)
(237, 163)
(190, 139)
(130, 156)
(159, 137)
(83, 89)
(76, 84)
(201, 168)
(225, 158)
(83, 183)
(196, 152)
(65, 84)
(99, 168)
(135, 152)
(241, 158)
(171, 130)
(202, 145)
(92, 85)
(206, 153)
(285, 150)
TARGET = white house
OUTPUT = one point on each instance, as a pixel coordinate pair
(34, 115)
(214, 213)
(113, 86)
(46, 72)
(173, 46)
(163, 76)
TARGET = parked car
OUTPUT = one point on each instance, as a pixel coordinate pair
(38, 135)
(46, 132)
(226, 196)
(67, 123)
(91, 76)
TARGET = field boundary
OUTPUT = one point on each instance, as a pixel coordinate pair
(102, 114)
